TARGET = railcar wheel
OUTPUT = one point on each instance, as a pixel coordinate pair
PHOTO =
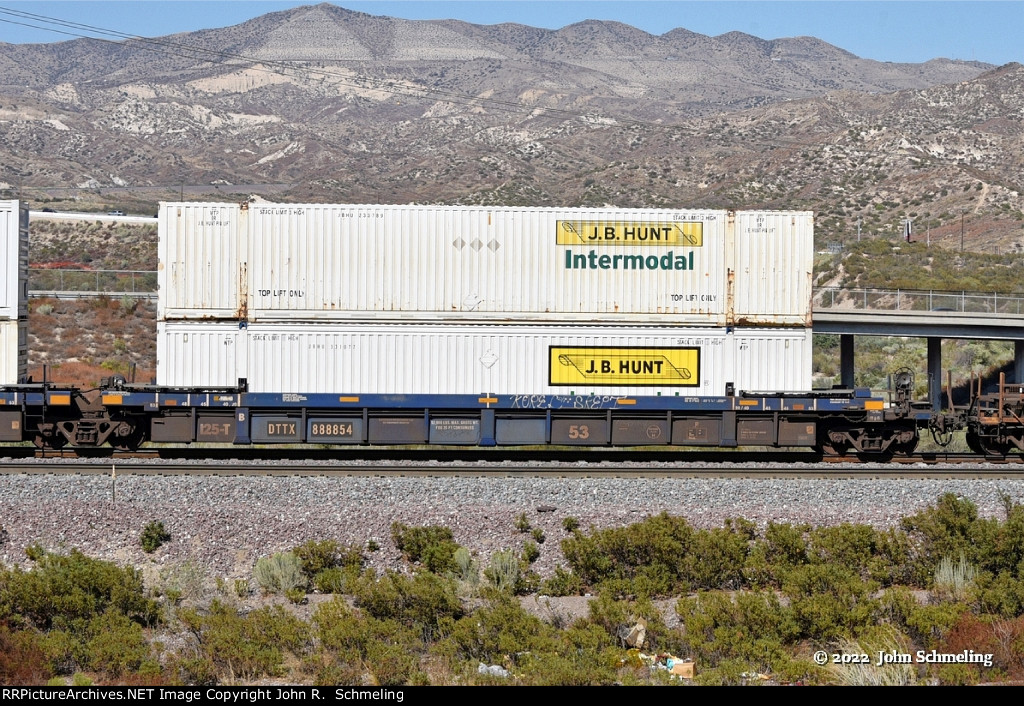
(905, 448)
(832, 449)
(129, 436)
(991, 447)
(974, 443)
(47, 441)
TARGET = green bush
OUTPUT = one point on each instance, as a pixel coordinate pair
(279, 573)
(830, 602)
(64, 588)
(328, 554)
(153, 536)
(249, 647)
(354, 645)
(504, 572)
(498, 631)
(421, 602)
(563, 583)
(433, 546)
(328, 566)
(753, 628)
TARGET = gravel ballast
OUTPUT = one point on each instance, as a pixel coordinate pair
(222, 525)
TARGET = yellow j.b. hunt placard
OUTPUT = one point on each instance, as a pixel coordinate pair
(624, 366)
(682, 233)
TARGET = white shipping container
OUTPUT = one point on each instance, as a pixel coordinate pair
(463, 264)
(200, 355)
(13, 351)
(364, 358)
(13, 260)
(201, 254)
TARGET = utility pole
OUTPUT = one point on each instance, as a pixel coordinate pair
(961, 230)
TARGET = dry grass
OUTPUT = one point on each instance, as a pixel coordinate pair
(84, 340)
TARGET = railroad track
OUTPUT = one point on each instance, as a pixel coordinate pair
(450, 463)
(475, 455)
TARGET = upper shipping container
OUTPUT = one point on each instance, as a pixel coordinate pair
(13, 260)
(280, 263)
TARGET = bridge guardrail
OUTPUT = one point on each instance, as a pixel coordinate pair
(95, 281)
(918, 300)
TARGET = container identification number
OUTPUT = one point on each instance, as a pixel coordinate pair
(331, 429)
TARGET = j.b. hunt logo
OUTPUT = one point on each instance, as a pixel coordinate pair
(687, 234)
(684, 233)
(582, 365)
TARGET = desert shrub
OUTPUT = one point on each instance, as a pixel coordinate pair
(953, 579)
(522, 523)
(570, 524)
(925, 624)
(716, 557)
(653, 548)
(1001, 595)
(434, 546)
(505, 572)
(23, 657)
(336, 580)
(246, 647)
(563, 583)
(62, 589)
(329, 566)
(881, 556)
(829, 602)
(497, 631)
(154, 534)
(420, 602)
(115, 645)
(753, 628)
(467, 572)
(327, 554)
(538, 535)
(354, 644)
(946, 529)
(279, 573)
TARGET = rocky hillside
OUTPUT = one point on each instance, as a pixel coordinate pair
(323, 104)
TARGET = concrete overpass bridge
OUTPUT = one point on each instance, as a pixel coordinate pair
(926, 314)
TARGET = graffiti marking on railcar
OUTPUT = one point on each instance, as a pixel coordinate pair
(564, 401)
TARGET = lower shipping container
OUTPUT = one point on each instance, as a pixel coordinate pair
(499, 359)
(13, 351)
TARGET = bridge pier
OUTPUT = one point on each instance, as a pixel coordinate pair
(935, 372)
(846, 366)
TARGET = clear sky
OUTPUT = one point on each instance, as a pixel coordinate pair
(882, 30)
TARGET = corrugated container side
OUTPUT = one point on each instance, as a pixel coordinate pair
(202, 256)
(13, 260)
(13, 351)
(773, 360)
(774, 264)
(471, 359)
(200, 354)
(319, 262)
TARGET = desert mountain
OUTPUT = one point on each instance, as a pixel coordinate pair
(325, 104)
